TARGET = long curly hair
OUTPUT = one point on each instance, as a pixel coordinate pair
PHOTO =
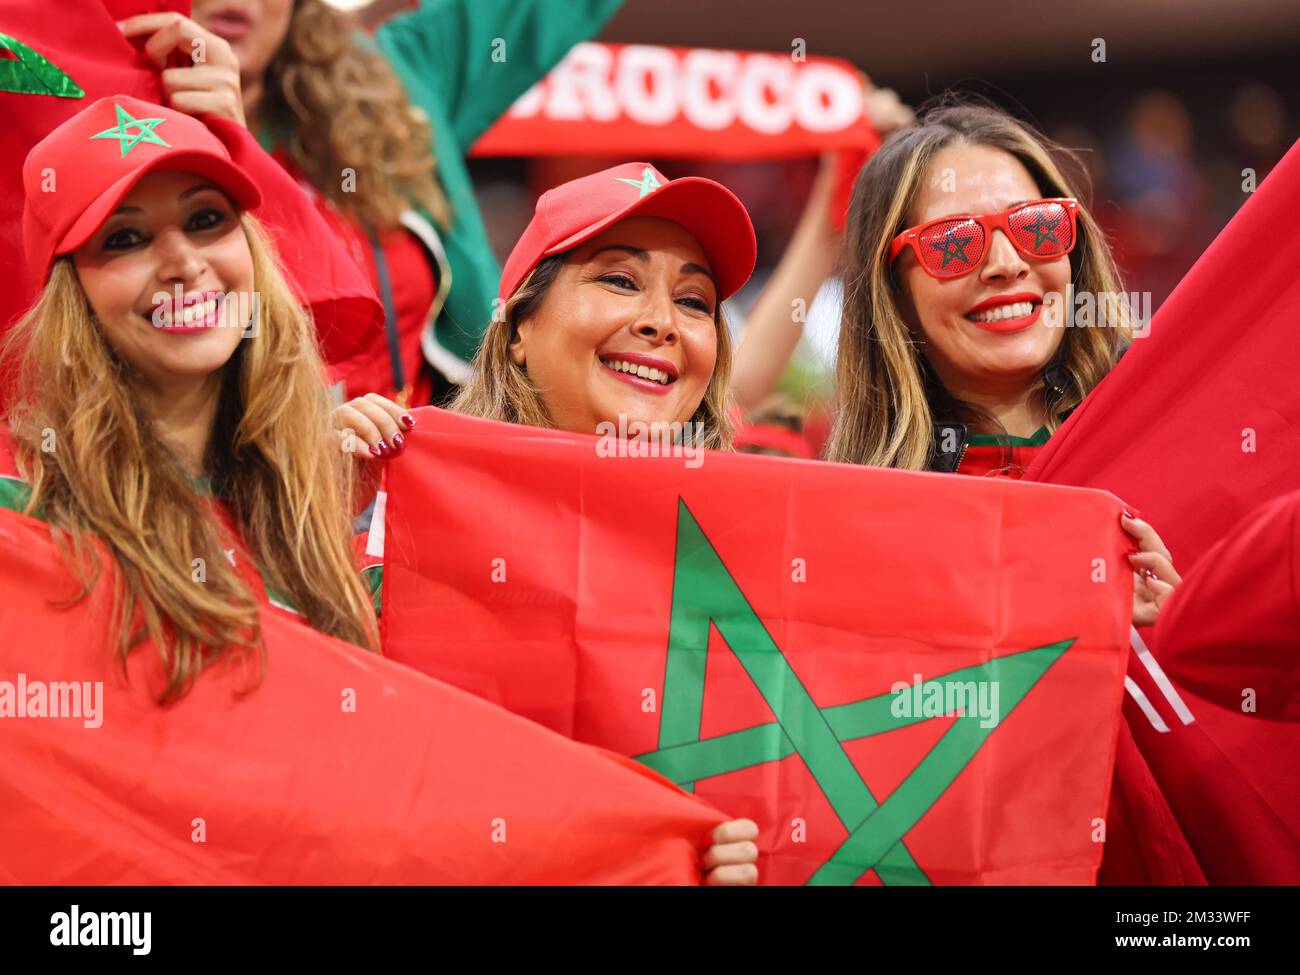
(348, 119)
(273, 459)
(888, 395)
(500, 388)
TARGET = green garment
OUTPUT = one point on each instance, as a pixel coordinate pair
(14, 493)
(1036, 439)
(373, 577)
(464, 62)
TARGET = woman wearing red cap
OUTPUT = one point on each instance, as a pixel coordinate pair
(167, 393)
(610, 309)
(610, 315)
(964, 234)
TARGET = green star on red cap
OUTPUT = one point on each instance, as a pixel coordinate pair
(647, 183)
(144, 126)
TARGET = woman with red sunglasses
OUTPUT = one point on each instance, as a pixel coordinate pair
(958, 351)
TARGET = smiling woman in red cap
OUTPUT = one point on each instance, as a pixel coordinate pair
(610, 308)
(168, 395)
(610, 315)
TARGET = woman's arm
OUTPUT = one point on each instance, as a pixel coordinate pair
(776, 322)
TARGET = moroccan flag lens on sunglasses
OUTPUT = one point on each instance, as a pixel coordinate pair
(953, 247)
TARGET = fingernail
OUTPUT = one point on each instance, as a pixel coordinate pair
(408, 420)
(384, 449)
(399, 442)
(375, 451)
(1128, 514)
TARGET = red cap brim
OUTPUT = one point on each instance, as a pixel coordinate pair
(226, 175)
(712, 214)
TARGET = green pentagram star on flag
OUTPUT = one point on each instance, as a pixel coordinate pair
(145, 131)
(704, 593)
(646, 184)
(901, 678)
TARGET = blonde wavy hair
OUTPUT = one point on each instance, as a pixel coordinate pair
(343, 107)
(501, 390)
(273, 459)
(888, 395)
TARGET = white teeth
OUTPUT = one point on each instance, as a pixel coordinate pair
(634, 369)
(189, 314)
(1003, 312)
(201, 312)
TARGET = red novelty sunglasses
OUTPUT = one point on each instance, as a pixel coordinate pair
(952, 246)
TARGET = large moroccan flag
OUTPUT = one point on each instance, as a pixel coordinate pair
(1229, 641)
(905, 678)
(338, 767)
(1198, 426)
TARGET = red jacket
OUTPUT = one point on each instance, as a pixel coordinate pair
(1215, 799)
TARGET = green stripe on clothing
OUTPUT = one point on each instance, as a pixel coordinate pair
(1039, 437)
(276, 598)
(373, 576)
(14, 493)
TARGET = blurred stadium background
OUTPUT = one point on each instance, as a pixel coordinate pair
(1192, 92)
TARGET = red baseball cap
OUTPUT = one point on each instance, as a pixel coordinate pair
(582, 208)
(76, 176)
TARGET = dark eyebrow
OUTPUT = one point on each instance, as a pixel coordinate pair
(687, 268)
(198, 189)
(188, 193)
(690, 268)
(636, 252)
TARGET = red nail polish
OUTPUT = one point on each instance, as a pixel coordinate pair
(384, 449)
(1128, 514)
(399, 442)
(375, 451)
(408, 420)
